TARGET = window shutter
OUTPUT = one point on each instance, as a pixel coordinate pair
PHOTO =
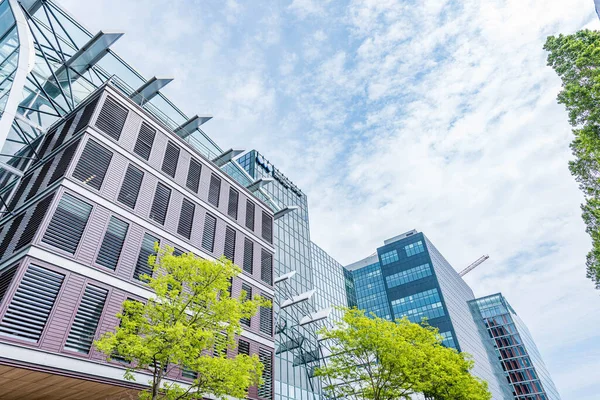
(248, 255)
(67, 224)
(267, 227)
(220, 346)
(46, 144)
(169, 165)
(214, 190)
(208, 236)
(6, 277)
(86, 115)
(162, 195)
(39, 179)
(32, 303)
(144, 142)
(19, 192)
(34, 222)
(186, 218)
(86, 320)
(111, 118)
(10, 234)
(64, 162)
(147, 249)
(265, 390)
(266, 266)
(250, 215)
(63, 132)
(110, 250)
(266, 319)
(229, 250)
(243, 347)
(188, 373)
(193, 177)
(131, 186)
(248, 289)
(93, 164)
(232, 207)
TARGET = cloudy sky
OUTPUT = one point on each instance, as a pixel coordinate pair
(399, 114)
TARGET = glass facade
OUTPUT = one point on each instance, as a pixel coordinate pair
(409, 275)
(370, 291)
(520, 359)
(9, 51)
(425, 304)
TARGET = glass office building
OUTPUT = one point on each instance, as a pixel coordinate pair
(517, 353)
(409, 277)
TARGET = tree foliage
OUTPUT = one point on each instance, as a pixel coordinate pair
(191, 318)
(576, 60)
(376, 359)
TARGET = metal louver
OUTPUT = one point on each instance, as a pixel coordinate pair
(147, 249)
(32, 303)
(266, 266)
(93, 164)
(267, 227)
(111, 118)
(131, 186)
(188, 373)
(34, 222)
(220, 345)
(266, 318)
(86, 115)
(232, 206)
(229, 249)
(243, 347)
(193, 176)
(10, 233)
(208, 235)
(67, 224)
(64, 162)
(144, 142)
(19, 192)
(265, 390)
(110, 250)
(86, 320)
(39, 179)
(186, 218)
(248, 255)
(250, 215)
(46, 144)
(214, 190)
(248, 289)
(169, 165)
(63, 132)
(6, 277)
(160, 204)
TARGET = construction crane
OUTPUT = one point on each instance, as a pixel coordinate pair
(473, 265)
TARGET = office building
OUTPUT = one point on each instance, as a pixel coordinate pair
(409, 277)
(517, 353)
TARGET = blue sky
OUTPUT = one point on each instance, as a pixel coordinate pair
(393, 115)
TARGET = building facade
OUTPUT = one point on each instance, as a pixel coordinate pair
(516, 350)
(408, 277)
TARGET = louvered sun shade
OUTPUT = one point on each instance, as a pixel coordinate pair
(32, 303)
(86, 320)
(34, 222)
(37, 184)
(214, 190)
(86, 115)
(248, 255)
(186, 218)
(248, 289)
(110, 250)
(67, 224)
(93, 164)
(266, 266)
(111, 118)
(63, 163)
(6, 277)
(147, 249)
(130, 188)
(24, 185)
(144, 142)
(267, 227)
(63, 132)
(162, 195)
(265, 390)
(243, 347)
(266, 318)
(10, 233)
(250, 215)
(229, 250)
(208, 235)
(232, 206)
(193, 176)
(169, 165)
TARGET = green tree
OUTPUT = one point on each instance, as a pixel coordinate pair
(372, 358)
(191, 318)
(576, 60)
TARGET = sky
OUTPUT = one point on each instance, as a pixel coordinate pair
(394, 114)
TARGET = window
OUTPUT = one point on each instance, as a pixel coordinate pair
(169, 165)
(265, 390)
(144, 142)
(250, 215)
(64, 162)
(10, 233)
(111, 247)
(267, 227)
(86, 115)
(193, 177)
(186, 218)
(414, 248)
(421, 305)
(266, 266)
(448, 339)
(34, 222)
(86, 320)
(243, 347)
(248, 255)
(67, 224)
(93, 164)
(162, 195)
(229, 250)
(389, 257)
(248, 289)
(208, 236)
(266, 319)
(142, 267)
(214, 190)
(188, 373)
(39, 179)
(131, 186)
(220, 346)
(6, 277)
(111, 118)
(25, 318)
(232, 206)
(409, 275)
